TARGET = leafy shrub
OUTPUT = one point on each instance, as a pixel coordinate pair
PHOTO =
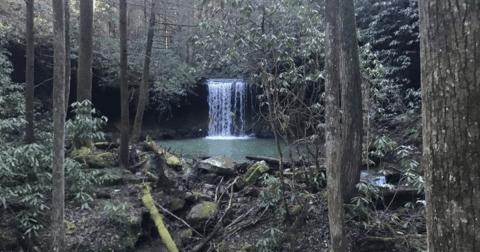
(117, 213)
(84, 128)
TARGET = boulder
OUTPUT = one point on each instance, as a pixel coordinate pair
(200, 213)
(219, 165)
(255, 171)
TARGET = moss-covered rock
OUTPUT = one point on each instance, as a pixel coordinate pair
(173, 161)
(175, 204)
(100, 160)
(255, 171)
(80, 154)
(200, 213)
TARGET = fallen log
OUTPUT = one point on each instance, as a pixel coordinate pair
(157, 218)
(269, 160)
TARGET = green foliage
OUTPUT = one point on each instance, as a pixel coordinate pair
(270, 243)
(117, 213)
(271, 193)
(81, 181)
(84, 128)
(409, 174)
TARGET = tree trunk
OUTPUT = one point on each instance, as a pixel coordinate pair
(143, 96)
(68, 67)
(336, 214)
(84, 71)
(58, 98)
(343, 114)
(351, 101)
(125, 123)
(29, 72)
(450, 64)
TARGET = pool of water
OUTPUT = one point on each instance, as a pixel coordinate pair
(234, 148)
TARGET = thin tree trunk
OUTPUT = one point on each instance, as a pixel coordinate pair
(58, 98)
(29, 72)
(125, 123)
(450, 64)
(143, 96)
(68, 67)
(84, 71)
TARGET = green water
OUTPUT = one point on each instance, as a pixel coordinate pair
(235, 149)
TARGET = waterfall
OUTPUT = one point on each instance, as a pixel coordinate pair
(227, 105)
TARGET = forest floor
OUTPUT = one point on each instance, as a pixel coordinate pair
(248, 217)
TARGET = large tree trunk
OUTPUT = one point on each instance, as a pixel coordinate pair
(450, 64)
(143, 96)
(84, 71)
(125, 123)
(58, 98)
(343, 114)
(29, 72)
(68, 67)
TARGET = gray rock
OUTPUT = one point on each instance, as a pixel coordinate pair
(219, 165)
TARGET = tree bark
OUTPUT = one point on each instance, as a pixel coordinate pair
(343, 114)
(450, 66)
(125, 122)
(143, 96)
(58, 98)
(68, 67)
(336, 214)
(351, 101)
(84, 71)
(29, 72)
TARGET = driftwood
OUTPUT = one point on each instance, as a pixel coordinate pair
(269, 160)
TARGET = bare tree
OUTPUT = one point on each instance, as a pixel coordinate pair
(58, 97)
(143, 96)
(29, 72)
(450, 64)
(125, 122)
(343, 114)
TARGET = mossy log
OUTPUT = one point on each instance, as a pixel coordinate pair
(157, 218)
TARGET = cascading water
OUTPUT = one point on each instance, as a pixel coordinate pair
(226, 100)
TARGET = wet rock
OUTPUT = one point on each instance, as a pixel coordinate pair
(200, 213)
(255, 171)
(219, 165)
